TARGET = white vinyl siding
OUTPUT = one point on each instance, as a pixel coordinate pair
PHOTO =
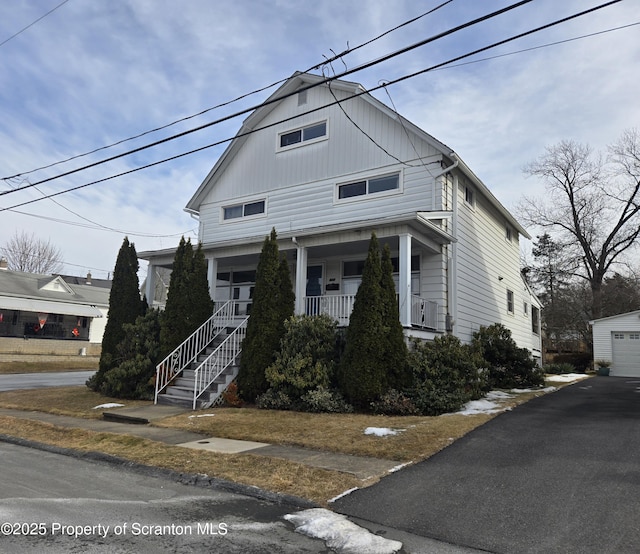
(614, 339)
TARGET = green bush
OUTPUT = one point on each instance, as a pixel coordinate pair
(323, 400)
(446, 375)
(557, 369)
(509, 365)
(135, 364)
(273, 399)
(306, 359)
(395, 403)
(580, 360)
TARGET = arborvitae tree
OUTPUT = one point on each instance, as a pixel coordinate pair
(287, 296)
(395, 347)
(138, 353)
(363, 367)
(265, 328)
(125, 305)
(189, 302)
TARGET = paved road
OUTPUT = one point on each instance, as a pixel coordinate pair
(16, 381)
(560, 474)
(47, 499)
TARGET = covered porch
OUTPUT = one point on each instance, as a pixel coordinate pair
(326, 267)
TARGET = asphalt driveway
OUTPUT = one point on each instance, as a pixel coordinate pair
(559, 474)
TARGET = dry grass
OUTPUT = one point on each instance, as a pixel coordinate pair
(271, 474)
(79, 364)
(77, 401)
(344, 433)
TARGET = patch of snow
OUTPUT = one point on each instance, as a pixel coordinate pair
(522, 391)
(566, 377)
(340, 534)
(381, 431)
(201, 415)
(345, 493)
(481, 407)
(108, 405)
(498, 395)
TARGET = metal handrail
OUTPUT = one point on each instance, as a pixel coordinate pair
(192, 347)
(219, 360)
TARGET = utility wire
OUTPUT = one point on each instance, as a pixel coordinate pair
(355, 95)
(282, 97)
(32, 24)
(241, 97)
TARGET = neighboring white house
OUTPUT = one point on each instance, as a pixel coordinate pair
(326, 176)
(69, 316)
(617, 340)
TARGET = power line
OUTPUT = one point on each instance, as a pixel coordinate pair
(282, 97)
(33, 23)
(355, 95)
(229, 102)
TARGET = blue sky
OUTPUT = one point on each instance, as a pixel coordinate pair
(92, 73)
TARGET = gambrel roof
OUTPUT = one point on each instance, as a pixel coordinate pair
(301, 81)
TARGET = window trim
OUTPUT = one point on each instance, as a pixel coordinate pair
(368, 195)
(511, 302)
(243, 205)
(302, 141)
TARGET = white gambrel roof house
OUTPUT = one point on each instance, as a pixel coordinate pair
(326, 176)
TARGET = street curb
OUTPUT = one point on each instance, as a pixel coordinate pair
(191, 479)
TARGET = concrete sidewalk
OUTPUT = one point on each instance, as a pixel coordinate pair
(140, 424)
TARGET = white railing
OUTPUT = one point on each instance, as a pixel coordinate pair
(424, 313)
(193, 346)
(219, 360)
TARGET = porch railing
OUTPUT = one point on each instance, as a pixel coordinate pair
(424, 313)
(221, 358)
(193, 346)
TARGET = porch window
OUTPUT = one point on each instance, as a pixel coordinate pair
(369, 186)
(352, 274)
(243, 210)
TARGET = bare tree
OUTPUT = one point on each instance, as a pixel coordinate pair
(25, 252)
(592, 204)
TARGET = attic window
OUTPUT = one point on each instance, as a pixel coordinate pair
(243, 210)
(303, 134)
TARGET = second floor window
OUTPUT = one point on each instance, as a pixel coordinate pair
(243, 210)
(369, 186)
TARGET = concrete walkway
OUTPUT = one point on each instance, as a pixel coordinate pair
(139, 422)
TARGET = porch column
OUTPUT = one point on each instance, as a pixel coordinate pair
(301, 278)
(150, 285)
(212, 275)
(404, 281)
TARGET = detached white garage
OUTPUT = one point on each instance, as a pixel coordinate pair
(617, 339)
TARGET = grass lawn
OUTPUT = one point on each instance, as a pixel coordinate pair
(421, 437)
(79, 364)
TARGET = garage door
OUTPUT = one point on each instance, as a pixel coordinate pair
(626, 354)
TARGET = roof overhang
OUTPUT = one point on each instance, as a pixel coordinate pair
(48, 306)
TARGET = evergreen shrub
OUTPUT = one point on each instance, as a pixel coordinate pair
(323, 400)
(396, 403)
(509, 366)
(558, 368)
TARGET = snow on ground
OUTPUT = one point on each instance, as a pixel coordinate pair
(381, 431)
(108, 405)
(566, 377)
(340, 534)
(201, 415)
